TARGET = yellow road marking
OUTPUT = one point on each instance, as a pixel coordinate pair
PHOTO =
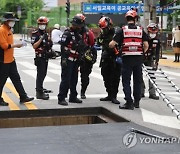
(29, 105)
(169, 63)
(12, 105)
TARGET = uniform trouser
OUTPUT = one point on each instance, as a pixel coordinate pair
(132, 65)
(111, 71)
(151, 89)
(42, 65)
(85, 70)
(69, 79)
(10, 70)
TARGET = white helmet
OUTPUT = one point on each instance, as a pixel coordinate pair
(63, 28)
(56, 26)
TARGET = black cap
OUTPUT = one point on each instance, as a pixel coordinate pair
(77, 21)
(9, 16)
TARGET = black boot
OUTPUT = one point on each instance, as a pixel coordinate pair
(178, 57)
(128, 106)
(47, 91)
(42, 95)
(154, 97)
(115, 101)
(136, 104)
(83, 96)
(3, 103)
(75, 100)
(83, 91)
(108, 98)
(142, 95)
(25, 99)
(175, 60)
(62, 102)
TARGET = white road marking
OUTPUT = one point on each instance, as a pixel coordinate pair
(53, 65)
(57, 72)
(96, 75)
(172, 73)
(33, 73)
(27, 64)
(167, 121)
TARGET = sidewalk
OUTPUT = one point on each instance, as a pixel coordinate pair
(169, 61)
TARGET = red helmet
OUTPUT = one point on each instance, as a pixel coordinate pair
(42, 20)
(105, 22)
(135, 9)
(81, 16)
(131, 13)
(152, 28)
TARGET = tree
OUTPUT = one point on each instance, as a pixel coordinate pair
(26, 5)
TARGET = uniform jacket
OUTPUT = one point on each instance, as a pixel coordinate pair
(154, 49)
(104, 39)
(6, 39)
(69, 44)
(45, 46)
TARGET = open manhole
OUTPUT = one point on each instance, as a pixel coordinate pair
(56, 117)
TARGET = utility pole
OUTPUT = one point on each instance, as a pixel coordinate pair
(174, 18)
(146, 14)
(68, 11)
(152, 11)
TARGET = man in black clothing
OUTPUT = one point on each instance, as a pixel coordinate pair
(110, 69)
(152, 57)
(133, 42)
(42, 44)
(70, 62)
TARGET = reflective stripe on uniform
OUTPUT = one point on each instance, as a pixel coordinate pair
(132, 43)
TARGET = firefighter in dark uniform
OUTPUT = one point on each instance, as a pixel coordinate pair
(132, 40)
(110, 69)
(152, 57)
(70, 62)
(88, 55)
(42, 44)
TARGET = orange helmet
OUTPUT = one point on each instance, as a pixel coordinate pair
(81, 16)
(152, 28)
(42, 20)
(105, 22)
(131, 13)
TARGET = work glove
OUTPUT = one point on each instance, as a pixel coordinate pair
(43, 36)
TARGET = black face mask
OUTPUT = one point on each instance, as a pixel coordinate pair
(105, 31)
(108, 31)
(76, 29)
